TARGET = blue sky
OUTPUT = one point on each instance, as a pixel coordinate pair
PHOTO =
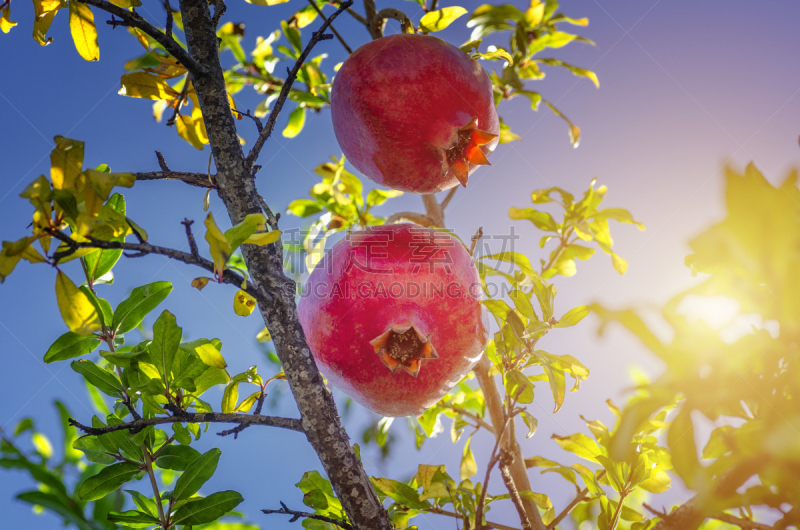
(685, 87)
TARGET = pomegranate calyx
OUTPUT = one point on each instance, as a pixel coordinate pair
(467, 150)
(403, 348)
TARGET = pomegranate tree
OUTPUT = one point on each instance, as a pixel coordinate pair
(393, 316)
(414, 113)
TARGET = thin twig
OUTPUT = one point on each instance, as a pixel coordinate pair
(478, 235)
(741, 522)
(492, 461)
(317, 36)
(319, 11)
(297, 515)
(168, 30)
(132, 19)
(192, 243)
(194, 417)
(582, 494)
(247, 114)
(396, 14)
(177, 109)
(148, 462)
(477, 419)
(143, 249)
(414, 217)
(219, 10)
(496, 526)
(506, 459)
(449, 197)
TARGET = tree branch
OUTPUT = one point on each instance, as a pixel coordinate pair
(373, 23)
(297, 515)
(144, 248)
(741, 522)
(449, 197)
(496, 526)
(193, 179)
(319, 11)
(132, 19)
(396, 14)
(317, 36)
(194, 417)
(414, 217)
(506, 459)
(474, 418)
(582, 494)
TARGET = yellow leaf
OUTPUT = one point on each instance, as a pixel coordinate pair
(12, 252)
(440, 19)
(84, 33)
(126, 3)
(77, 311)
(187, 130)
(534, 14)
(5, 19)
(44, 10)
(147, 86)
(220, 249)
(263, 336)
(243, 304)
(103, 182)
(66, 161)
(197, 116)
(199, 283)
(264, 238)
(266, 2)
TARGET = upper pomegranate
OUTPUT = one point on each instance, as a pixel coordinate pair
(393, 317)
(414, 113)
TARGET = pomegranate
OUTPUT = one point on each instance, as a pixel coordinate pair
(393, 317)
(414, 113)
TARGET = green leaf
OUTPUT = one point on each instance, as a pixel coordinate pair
(572, 317)
(581, 445)
(542, 220)
(108, 480)
(198, 472)
(304, 207)
(101, 261)
(93, 450)
(468, 466)
(297, 119)
(70, 345)
(211, 508)
(589, 479)
(523, 304)
(376, 197)
(140, 302)
(680, 438)
(401, 493)
(104, 380)
(440, 19)
(57, 504)
(657, 482)
(516, 258)
(176, 457)
(531, 422)
(133, 519)
(518, 386)
(557, 384)
(144, 503)
(166, 339)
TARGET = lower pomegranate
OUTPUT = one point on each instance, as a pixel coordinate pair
(393, 317)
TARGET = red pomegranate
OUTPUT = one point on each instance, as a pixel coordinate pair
(393, 317)
(414, 113)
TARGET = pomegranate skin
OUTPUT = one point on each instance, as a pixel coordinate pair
(397, 104)
(365, 286)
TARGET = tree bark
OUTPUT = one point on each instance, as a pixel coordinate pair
(236, 186)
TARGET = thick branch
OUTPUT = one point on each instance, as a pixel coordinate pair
(236, 187)
(373, 22)
(194, 417)
(433, 209)
(297, 515)
(132, 19)
(496, 526)
(494, 404)
(287, 85)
